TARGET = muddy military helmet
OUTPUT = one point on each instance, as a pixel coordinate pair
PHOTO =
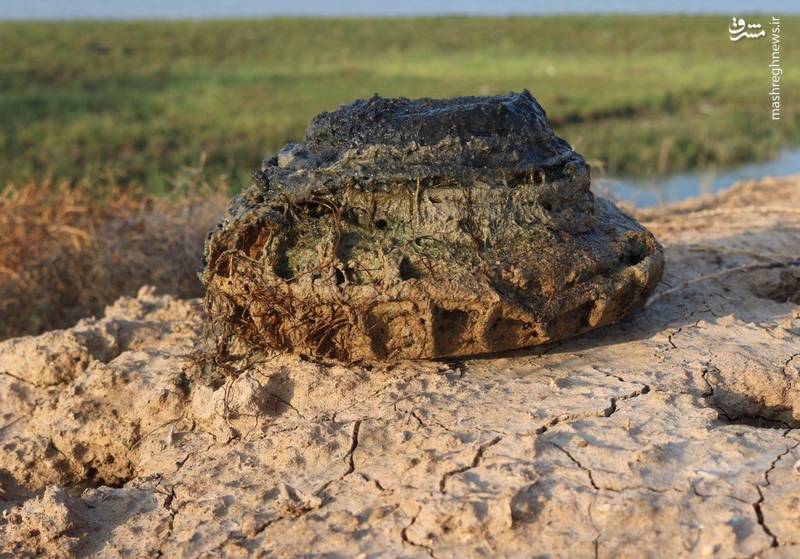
(423, 228)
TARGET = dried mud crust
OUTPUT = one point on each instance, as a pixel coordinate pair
(417, 229)
(671, 434)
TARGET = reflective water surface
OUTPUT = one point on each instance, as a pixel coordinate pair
(644, 192)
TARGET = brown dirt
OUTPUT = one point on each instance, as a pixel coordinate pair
(671, 434)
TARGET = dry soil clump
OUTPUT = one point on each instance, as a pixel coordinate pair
(426, 228)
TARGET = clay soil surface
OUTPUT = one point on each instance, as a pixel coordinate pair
(674, 433)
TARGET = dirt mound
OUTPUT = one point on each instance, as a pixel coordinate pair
(672, 433)
(417, 229)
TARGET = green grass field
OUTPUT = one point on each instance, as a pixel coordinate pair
(136, 102)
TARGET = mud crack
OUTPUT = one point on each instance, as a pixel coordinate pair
(168, 501)
(351, 466)
(786, 363)
(406, 539)
(608, 411)
(476, 460)
(348, 459)
(757, 505)
(577, 463)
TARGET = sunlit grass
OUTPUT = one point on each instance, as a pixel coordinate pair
(142, 100)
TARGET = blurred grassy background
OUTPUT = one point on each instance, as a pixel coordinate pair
(134, 102)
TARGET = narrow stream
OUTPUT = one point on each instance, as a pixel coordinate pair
(647, 192)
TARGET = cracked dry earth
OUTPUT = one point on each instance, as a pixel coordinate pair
(674, 433)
